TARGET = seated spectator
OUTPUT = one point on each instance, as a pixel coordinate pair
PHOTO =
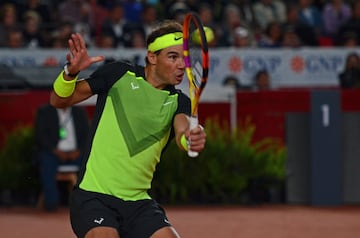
(262, 80)
(133, 10)
(290, 38)
(149, 18)
(320, 4)
(138, 39)
(71, 10)
(352, 25)
(61, 35)
(207, 16)
(231, 20)
(247, 14)
(350, 76)
(349, 39)
(272, 36)
(97, 15)
(42, 10)
(231, 81)
(335, 14)
(60, 136)
(34, 37)
(84, 25)
(310, 15)
(267, 11)
(8, 21)
(242, 38)
(116, 26)
(15, 38)
(177, 10)
(306, 33)
(105, 42)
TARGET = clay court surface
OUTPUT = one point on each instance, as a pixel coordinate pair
(281, 221)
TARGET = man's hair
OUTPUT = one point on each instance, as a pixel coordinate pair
(165, 27)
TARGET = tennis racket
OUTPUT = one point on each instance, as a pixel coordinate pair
(196, 57)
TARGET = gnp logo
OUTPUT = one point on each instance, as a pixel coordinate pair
(297, 64)
(323, 63)
(235, 64)
(252, 64)
(316, 63)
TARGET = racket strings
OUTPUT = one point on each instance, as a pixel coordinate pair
(196, 63)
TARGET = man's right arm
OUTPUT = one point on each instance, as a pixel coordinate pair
(81, 92)
(67, 90)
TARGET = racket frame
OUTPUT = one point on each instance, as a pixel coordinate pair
(195, 87)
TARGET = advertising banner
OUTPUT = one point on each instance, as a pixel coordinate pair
(303, 67)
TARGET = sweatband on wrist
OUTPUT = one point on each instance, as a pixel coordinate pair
(64, 88)
(184, 142)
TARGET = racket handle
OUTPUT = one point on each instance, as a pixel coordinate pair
(193, 123)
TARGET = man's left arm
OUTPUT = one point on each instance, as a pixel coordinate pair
(186, 139)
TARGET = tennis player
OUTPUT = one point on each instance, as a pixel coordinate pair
(138, 111)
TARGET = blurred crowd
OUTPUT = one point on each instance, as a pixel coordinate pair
(125, 23)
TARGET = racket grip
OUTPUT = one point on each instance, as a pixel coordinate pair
(193, 123)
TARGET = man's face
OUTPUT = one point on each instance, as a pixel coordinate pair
(170, 66)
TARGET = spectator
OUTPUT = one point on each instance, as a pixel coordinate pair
(133, 9)
(8, 21)
(42, 10)
(242, 38)
(84, 24)
(206, 14)
(61, 35)
(15, 38)
(262, 80)
(310, 15)
(267, 11)
(98, 14)
(138, 40)
(247, 14)
(352, 25)
(349, 39)
(149, 18)
(231, 20)
(335, 14)
(105, 42)
(87, 17)
(107, 4)
(306, 33)
(60, 136)
(33, 36)
(272, 36)
(177, 10)
(117, 26)
(320, 4)
(350, 76)
(231, 81)
(71, 10)
(290, 38)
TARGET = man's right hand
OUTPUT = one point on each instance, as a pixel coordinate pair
(78, 56)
